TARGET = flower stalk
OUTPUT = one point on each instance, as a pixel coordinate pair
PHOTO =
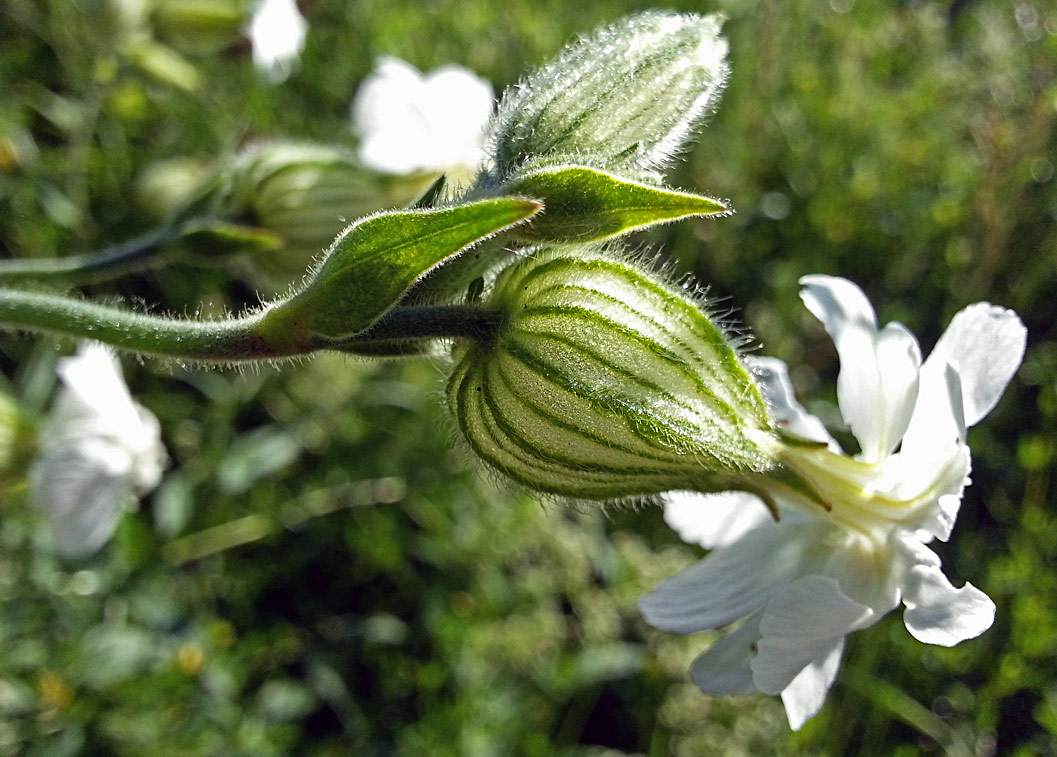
(244, 338)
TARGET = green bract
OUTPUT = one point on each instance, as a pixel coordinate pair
(623, 99)
(604, 382)
(373, 263)
(585, 205)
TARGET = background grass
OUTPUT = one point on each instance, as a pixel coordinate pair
(323, 573)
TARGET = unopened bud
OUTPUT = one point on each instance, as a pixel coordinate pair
(167, 188)
(602, 382)
(309, 192)
(623, 99)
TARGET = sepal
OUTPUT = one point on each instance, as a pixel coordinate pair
(602, 382)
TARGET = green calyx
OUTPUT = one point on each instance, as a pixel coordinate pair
(604, 382)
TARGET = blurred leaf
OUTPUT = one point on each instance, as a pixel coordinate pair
(164, 64)
(173, 505)
(606, 663)
(114, 654)
(255, 455)
(216, 239)
(285, 700)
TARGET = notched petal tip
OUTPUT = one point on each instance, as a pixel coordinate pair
(986, 344)
(938, 613)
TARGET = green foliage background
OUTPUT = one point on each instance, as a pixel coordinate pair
(323, 572)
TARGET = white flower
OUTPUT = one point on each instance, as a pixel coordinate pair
(277, 32)
(97, 449)
(412, 122)
(851, 544)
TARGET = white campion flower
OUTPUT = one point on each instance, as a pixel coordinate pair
(409, 121)
(277, 32)
(98, 449)
(803, 583)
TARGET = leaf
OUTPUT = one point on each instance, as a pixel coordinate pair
(373, 263)
(254, 455)
(214, 239)
(432, 195)
(584, 205)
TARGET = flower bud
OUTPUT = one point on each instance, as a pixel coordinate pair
(623, 99)
(310, 192)
(307, 193)
(601, 381)
(166, 188)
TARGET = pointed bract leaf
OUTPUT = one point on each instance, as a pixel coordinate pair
(373, 263)
(585, 205)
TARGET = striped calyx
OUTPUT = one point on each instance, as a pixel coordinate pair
(603, 382)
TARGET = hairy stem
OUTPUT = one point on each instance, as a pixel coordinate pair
(234, 339)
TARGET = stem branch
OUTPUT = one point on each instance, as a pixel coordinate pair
(117, 259)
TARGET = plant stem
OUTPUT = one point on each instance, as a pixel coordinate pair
(234, 339)
(138, 252)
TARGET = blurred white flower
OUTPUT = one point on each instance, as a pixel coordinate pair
(98, 448)
(409, 121)
(277, 32)
(804, 582)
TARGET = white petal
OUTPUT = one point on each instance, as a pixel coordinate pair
(772, 377)
(724, 669)
(714, 520)
(916, 471)
(984, 345)
(81, 489)
(938, 613)
(938, 423)
(410, 122)
(93, 388)
(97, 447)
(806, 694)
(277, 32)
(866, 572)
(801, 625)
(898, 360)
(876, 387)
(149, 457)
(733, 581)
(461, 104)
(94, 407)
